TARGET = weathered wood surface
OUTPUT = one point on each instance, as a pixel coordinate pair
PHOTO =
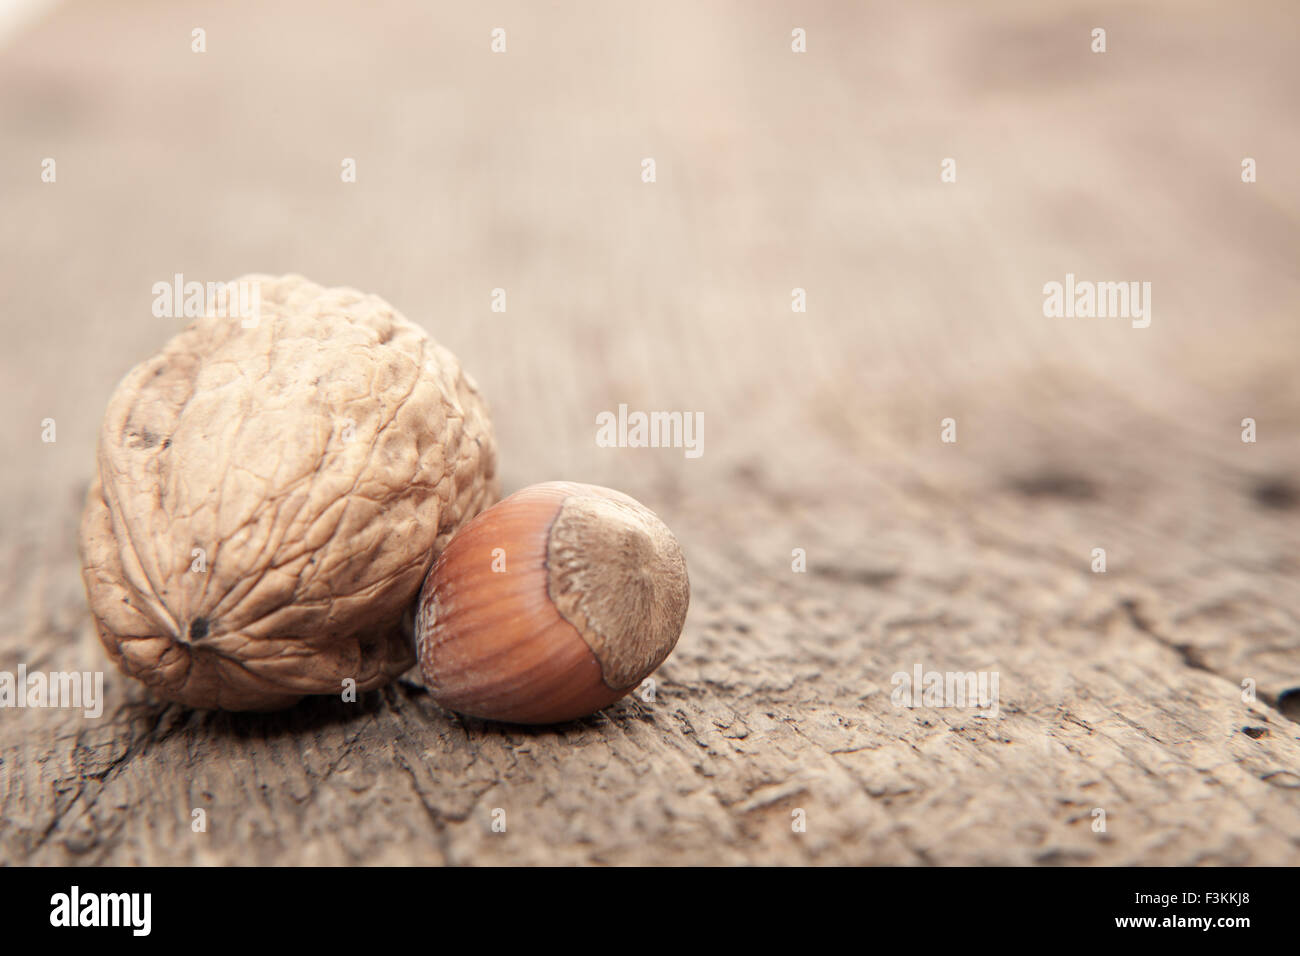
(1120, 691)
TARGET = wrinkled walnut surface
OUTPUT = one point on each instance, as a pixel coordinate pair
(320, 461)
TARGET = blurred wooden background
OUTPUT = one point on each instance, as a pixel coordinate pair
(775, 170)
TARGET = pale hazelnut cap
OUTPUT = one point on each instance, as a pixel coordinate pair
(617, 574)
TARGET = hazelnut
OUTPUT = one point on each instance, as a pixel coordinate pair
(550, 605)
(269, 499)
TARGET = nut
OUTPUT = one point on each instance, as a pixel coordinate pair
(551, 605)
(269, 499)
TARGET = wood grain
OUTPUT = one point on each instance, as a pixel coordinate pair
(1120, 691)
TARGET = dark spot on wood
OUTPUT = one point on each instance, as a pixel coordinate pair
(751, 475)
(167, 443)
(1276, 493)
(1062, 857)
(869, 577)
(1282, 778)
(1255, 732)
(198, 628)
(1288, 702)
(1056, 484)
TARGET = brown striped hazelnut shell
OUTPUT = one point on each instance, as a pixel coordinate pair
(551, 605)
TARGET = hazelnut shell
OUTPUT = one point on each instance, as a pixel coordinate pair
(551, 605)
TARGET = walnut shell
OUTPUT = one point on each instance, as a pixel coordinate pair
(269, 499)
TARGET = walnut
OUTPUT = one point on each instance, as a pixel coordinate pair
(269, 499)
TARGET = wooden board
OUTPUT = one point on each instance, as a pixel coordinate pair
(1120, 692)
